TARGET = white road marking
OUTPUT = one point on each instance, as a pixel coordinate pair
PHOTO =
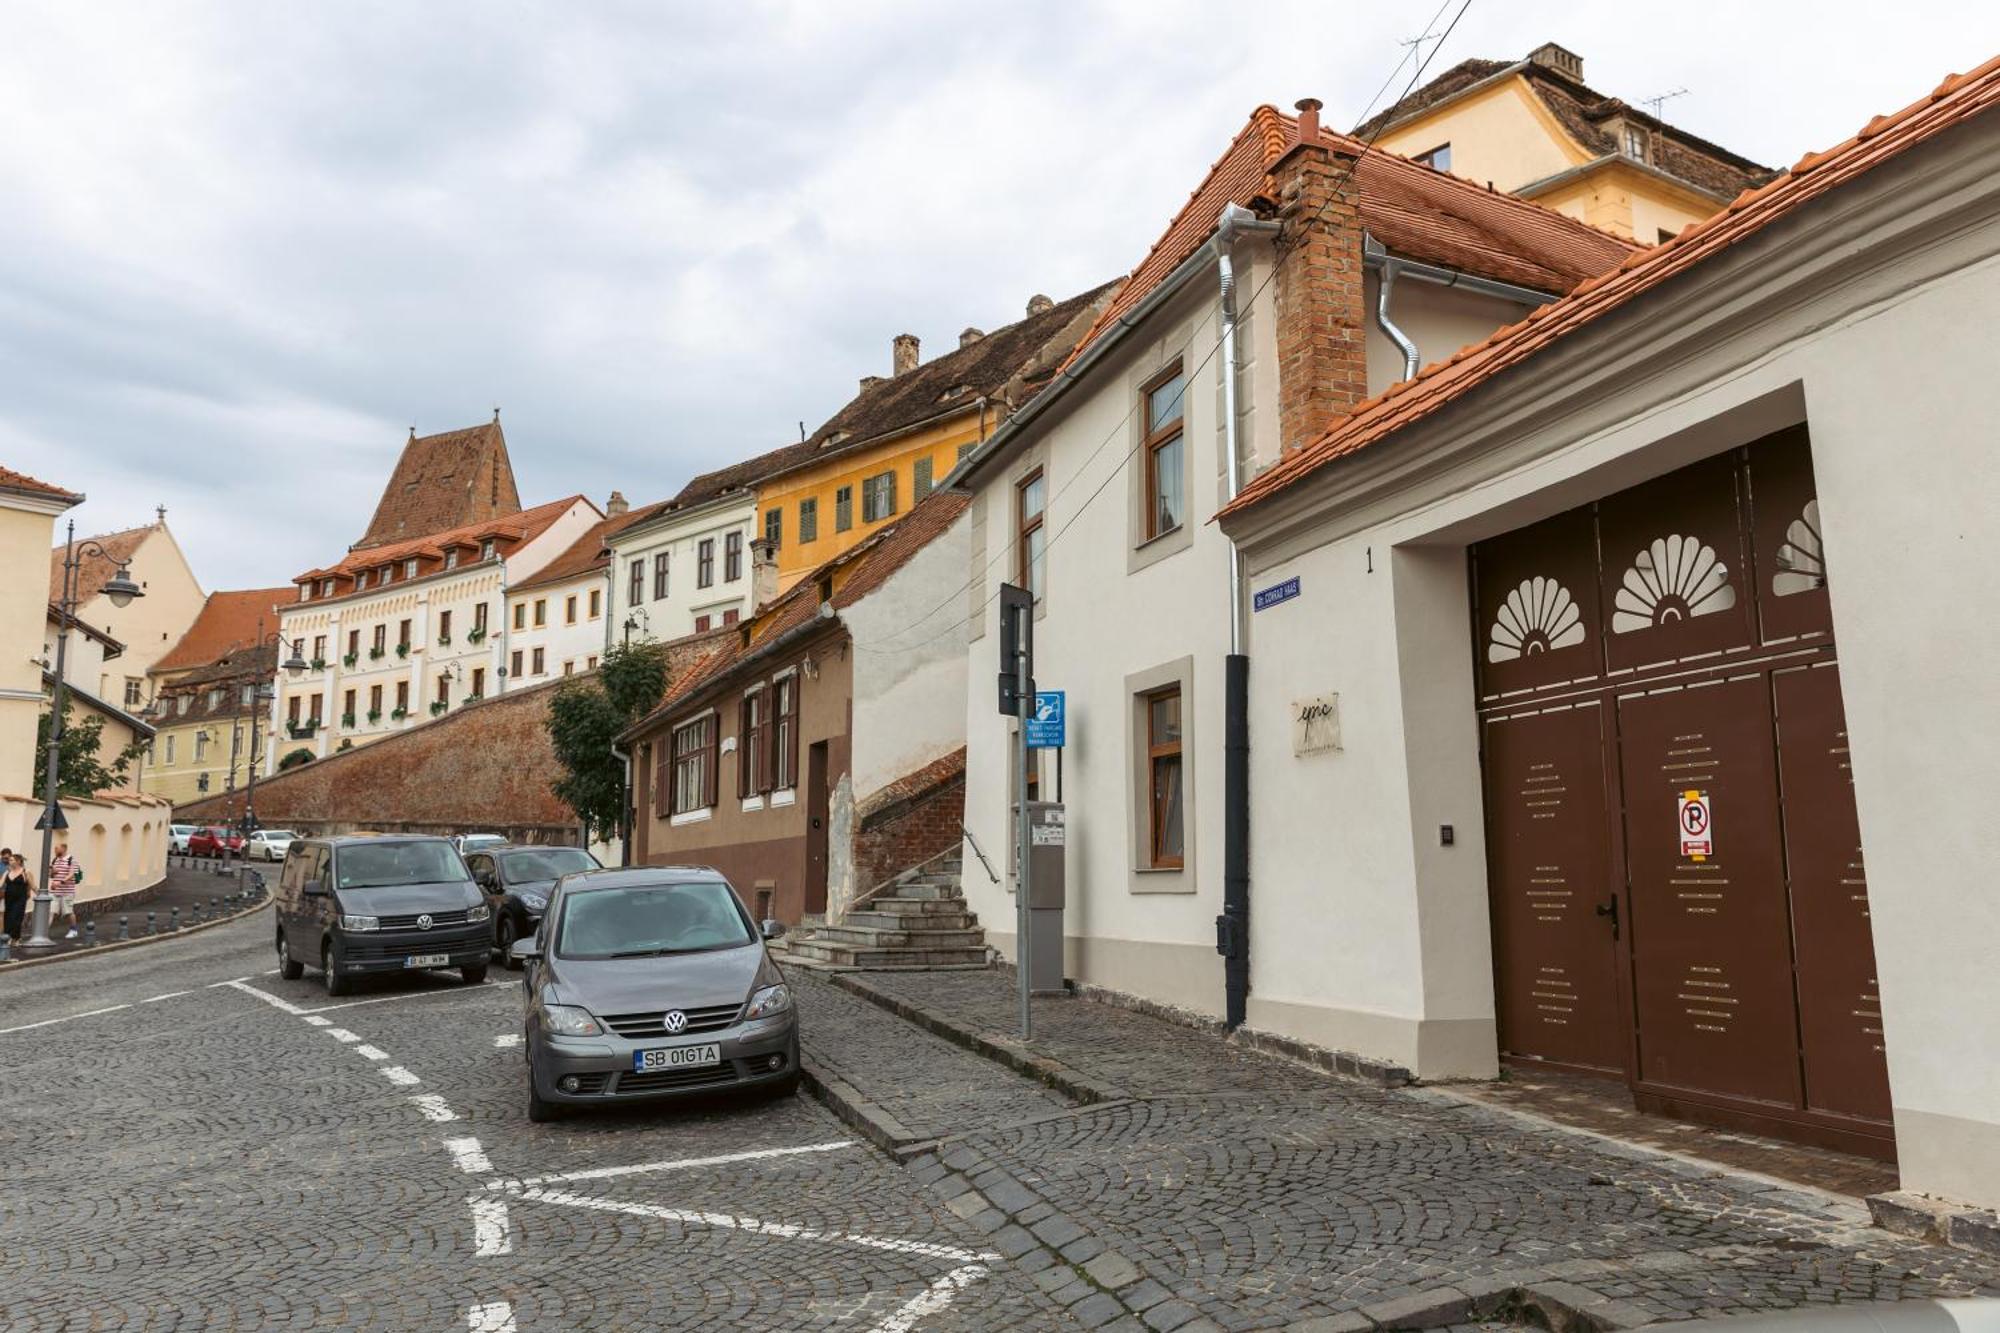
(342, 1034)
(458, 991)
(933, 1299)
(471, 1158)
(507, 1039)
(493, 1317)
(286, 1005)
(434, 1107)
(368, 1052)
(170, 995)
(491, 1231)
(402, 1077)
(751, 1225)
(318, 1022)
(675, 1164)
(70, 1018)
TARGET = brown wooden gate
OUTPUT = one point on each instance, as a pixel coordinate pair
(1669, 647)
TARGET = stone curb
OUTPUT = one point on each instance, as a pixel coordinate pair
(114, 946)
(856, 1111)
(1007, 1051)
(1971, 1229)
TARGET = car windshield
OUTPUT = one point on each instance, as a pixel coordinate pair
(371, 865)
(544, 863)
(652, 919)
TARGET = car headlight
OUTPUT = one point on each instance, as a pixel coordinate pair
(567, 1020)
(534, 902)
(770, 1002)
(479, 913)
(359, 923)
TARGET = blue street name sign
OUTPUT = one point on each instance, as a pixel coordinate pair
(1046, 727)
(1277, 592)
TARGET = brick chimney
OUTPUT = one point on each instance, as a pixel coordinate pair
(903, 354)
(1320, 314)
(763, 574)
(616, 506)
(1038, 303)
(870, 381)
(1559, 59)
(970, 336)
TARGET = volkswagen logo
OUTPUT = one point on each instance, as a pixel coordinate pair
(424, 921)
(675, 1021)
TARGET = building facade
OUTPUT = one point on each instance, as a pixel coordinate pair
(683, 566)
(28, 512)
(559, 621)
(149, 626)
(197, 695)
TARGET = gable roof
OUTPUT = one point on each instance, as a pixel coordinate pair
(444, 481)
(10, 480)
(93, 572)
(1958, 99)
(523, 525)
(1583, 112)
(855, 574)
(589, 552)
(226, 622)
(1418, 213)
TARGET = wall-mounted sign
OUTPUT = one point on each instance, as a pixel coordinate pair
(1697, 832)
(1277, 592)
(1316, 725)
(1048, 830)
(1049, 724)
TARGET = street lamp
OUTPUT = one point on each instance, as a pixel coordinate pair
(121, 590)
(293, 666)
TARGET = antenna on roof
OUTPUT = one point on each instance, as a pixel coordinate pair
(496, 414)
(161, 510)
(802, 432)
(1662, 99)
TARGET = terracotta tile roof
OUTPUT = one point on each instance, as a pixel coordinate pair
(737, 476)
(227, 621)
(95, 572)
(1416, 212)
(522, 525)
(448, 480)
(1582, 112)
(10, 480)
(855, 573)
(585, 554)
(112, 647)
(1958, 99)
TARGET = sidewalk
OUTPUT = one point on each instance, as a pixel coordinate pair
(188, 887)
(1199, 1185)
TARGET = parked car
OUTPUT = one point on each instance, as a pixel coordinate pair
(517, 882)
(269, 844)
(215, 840)
(471, 842)
(355, 906)
(177, 838)
(652, 982)
(1938, 1316)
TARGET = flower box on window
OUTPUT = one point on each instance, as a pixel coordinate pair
(474, 697)
(438, 706)
(302, 731)
(402, 650)
(398, 714)
(347, 719)
(374, 715)
(475, 636)
(347, 659)
(444, 640)
(319, 664)
(377, 654)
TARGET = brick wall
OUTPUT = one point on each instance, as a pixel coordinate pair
(1320, 300)
(913, 819)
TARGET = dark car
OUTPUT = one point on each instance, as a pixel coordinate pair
(648, 983)
(517, 882)
(358, 905)
(215, 840)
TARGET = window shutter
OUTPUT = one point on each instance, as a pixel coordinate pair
(663, 787)
(712, 757)
(743, 744)
(888, 494)
(792, 732)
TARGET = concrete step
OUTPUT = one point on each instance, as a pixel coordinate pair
(917, 890)
(914, 906)
(874, 937)
(941, 920)
(847, 955)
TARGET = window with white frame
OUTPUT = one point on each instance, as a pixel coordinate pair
(694, 766)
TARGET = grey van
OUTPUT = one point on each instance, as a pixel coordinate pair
(360, 904)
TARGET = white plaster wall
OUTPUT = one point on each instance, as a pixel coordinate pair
(909, 665)
(680, 535)
(560, 641)
(1439, 320)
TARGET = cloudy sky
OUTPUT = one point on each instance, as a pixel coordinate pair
(245, 246)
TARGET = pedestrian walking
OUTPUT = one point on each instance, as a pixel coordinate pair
(64, 875)
(14, 878)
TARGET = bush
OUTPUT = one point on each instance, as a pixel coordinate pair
(295, 758)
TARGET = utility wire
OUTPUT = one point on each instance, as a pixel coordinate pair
(1187, 376)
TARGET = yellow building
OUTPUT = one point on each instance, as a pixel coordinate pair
(204, 691)
(28, 510)
(1534, 129)
(904, 433)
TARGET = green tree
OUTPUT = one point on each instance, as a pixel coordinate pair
(585, 717)
(82, 770)
(295, 758)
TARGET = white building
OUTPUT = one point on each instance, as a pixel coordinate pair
(683, 566)
(147, 626)
(558, 621)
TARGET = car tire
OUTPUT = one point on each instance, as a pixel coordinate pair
(335, 983)
(504, 933)
(473, 974)
(290, 968)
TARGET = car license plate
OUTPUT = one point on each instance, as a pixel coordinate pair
(428, 960)
(677, 1057)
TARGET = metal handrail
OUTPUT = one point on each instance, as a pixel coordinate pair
(980, 853)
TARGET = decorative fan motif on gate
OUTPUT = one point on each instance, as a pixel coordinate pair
(1537, 617)
(1802, 559)
(1676, 578)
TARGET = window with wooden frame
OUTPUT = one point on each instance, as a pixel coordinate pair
(354, 643)
(347, 708)
(730, 616)
(659, 576)
(1437, 159)
(381, 640)
(920, 479)
(753, 760)
(403, 696)
(1164, 795)
(444, 626)
(478, 683)
(732, 557)
(514, 664)
(596, 603)
(444, 689)
(541, 612)
(313, 712)
(878, 497)
(520, 615)
(843, 509)
(1166, 492)
(701, 624)
(569, 609)
(808, 521)
(1031, 502)
(635, 591)
(451, 558)
(541, 661)
(785, 732)
(694, 747)
(704, 563)
(774, 527)
(479, 618)
(292, 706)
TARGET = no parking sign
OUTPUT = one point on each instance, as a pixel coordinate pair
(1696, 827)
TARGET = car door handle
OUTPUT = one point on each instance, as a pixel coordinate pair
(1610, 908)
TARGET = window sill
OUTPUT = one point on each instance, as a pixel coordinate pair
(783, 797)
(1161, 879)
(690, 817)
(752, 803)
(1168, 535)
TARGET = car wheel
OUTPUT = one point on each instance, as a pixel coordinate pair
(335, 983)
(539, 1111)
(474, 974)
(290, 968)
(505, 932)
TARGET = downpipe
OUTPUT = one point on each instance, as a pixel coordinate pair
(627, 816)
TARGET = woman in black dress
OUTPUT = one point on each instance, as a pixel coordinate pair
(18, 885)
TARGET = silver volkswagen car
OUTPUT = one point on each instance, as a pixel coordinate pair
(652, 982)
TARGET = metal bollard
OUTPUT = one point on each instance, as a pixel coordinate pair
(124, 927)
(152, 923)
(213, 903)
(173, 919)
(89, 933)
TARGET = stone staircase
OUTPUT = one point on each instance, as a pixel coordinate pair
(919, 922)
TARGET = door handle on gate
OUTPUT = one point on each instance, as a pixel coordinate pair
(1610, 908)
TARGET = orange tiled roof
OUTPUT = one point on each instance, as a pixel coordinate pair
(588, 552)
(1956, 100)
(444, 481)
(95, 572)
(227, 621)
(1416, 212)
(10, 480)
(523, 526)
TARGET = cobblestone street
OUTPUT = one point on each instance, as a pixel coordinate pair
(194, 1143)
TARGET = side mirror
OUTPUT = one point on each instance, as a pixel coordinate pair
(525, 950)
(485, 879)
(773, 929)
(315, 889)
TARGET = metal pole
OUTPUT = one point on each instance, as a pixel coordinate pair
(1026, 704)
(38, 936)
(250, 792)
